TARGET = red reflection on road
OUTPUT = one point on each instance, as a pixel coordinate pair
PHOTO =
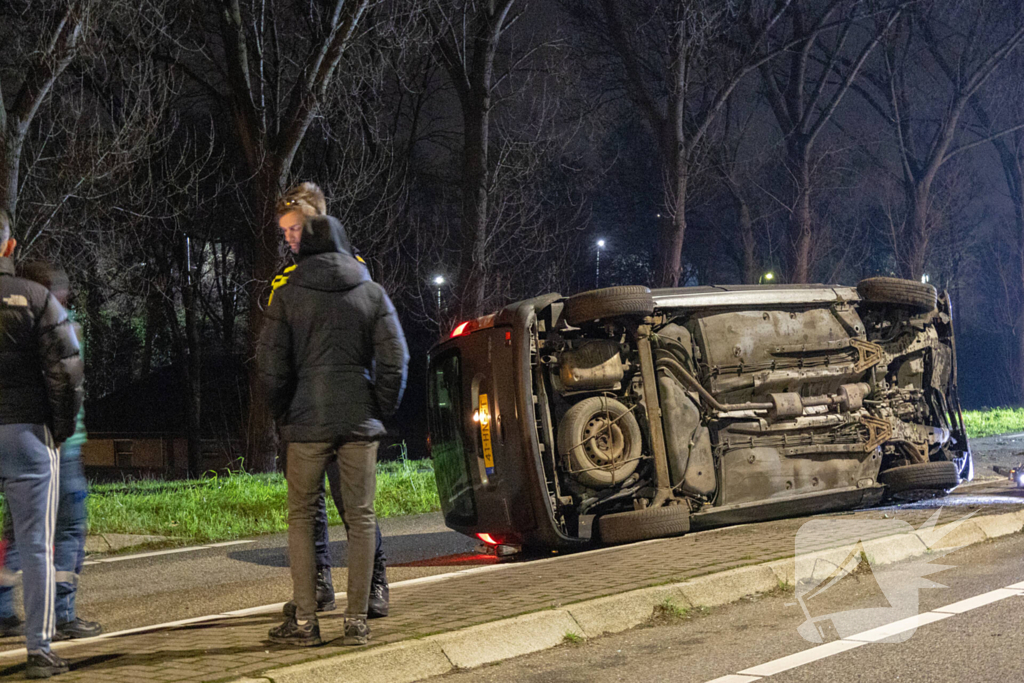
(462, 559)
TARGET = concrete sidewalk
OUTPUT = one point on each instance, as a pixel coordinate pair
(444, 623)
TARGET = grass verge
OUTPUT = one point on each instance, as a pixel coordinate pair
(992, 421)
(240, 505)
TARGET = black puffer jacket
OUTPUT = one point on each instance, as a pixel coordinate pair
(332, 354)
(41, 371)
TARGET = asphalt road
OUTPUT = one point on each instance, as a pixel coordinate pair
(132, 592)
(160, 588)
(983, 644)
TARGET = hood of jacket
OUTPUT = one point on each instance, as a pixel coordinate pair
(325, 260)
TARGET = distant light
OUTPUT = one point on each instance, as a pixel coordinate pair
(600, 244)
(658, 215)
(476, 416)
(925, 279)
(769, 276)
(439, 280)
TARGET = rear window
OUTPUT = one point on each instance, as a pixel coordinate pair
(446, 417)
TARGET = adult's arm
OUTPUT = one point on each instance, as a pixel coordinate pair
(63, 369)
(274, 358)
(390, 356)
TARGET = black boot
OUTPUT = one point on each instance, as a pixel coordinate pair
(45, 665)
(380, 594)
(11, 626)
(324, 594)
(79, 628)
(324, 590)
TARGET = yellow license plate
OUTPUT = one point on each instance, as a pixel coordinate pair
(485, 434)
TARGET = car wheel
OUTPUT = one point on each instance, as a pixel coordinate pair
(641, 525)
(891, 290)
(602, 441)
(610, 302)
(925, 475)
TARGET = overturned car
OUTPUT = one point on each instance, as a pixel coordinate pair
(624, 414)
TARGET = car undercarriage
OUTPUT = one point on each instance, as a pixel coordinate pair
(661, 411)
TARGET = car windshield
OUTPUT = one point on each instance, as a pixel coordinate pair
(446, 446)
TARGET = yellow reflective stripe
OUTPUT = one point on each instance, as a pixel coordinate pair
(360, 259)
(279, 281)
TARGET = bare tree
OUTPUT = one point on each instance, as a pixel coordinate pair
(804, 87)
(57, 47)
(937, 58)
(678, 62)
(469, 34)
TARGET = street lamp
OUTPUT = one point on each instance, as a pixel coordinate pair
(767, 277)
(597, 269)
(438, 281)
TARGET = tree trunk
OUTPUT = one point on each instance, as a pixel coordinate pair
(918, 237)
(750, 269)
(672, 228)
(800, 219)
(193, 399)
(472, 263)
(9, 161)
(261, 436)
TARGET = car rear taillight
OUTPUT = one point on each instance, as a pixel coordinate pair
(481, 323)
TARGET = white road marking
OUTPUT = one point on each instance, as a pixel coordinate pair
(171, 551)
(801, 658)
(979, 600)
(897, 627)
(274, 608)
(874, 635)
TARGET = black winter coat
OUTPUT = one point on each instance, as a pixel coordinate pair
(41, 369)
(332, 354)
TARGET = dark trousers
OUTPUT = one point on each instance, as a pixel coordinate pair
(356, 464)
(321, 538)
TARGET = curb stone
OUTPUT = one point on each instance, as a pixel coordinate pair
(414, 660)
(107, 543)
(714, 590)
(950, 536)
(617, 613)
(506, 638)
(402, 662)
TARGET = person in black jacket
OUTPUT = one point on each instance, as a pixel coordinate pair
(41, 376)
(303, 201)
(334, 360)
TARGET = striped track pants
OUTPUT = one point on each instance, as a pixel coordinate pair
(30, 476)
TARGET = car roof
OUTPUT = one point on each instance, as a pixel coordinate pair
(751, 295)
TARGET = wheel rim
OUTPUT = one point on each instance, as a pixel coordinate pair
(604, 441)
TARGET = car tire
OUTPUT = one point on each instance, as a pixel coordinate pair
(610, 302)
(622, 440)
(925, 475)
(891, 290)
(642, 525)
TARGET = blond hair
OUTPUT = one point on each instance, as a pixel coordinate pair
(305, 197)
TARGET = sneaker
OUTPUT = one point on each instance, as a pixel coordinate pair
(298, 635)
(79, 628)
(324, 594)
(11, 626)
(44, 665)
(380, 596)
(356, 631)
